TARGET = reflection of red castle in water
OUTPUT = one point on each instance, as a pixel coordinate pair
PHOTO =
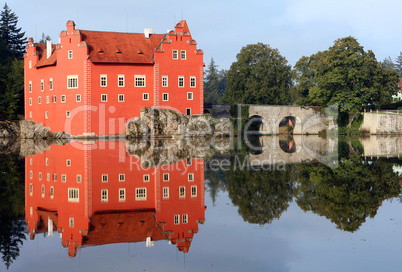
(95, 197)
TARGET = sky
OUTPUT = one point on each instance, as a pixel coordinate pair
(221, 28)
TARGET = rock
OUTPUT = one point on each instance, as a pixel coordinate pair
(31, 130)
(156, 122)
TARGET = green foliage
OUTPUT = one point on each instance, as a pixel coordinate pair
(347, 76)
(387, 63)
(10, 33)
(259, 76)
(44, 38)
(398, 64)
(214, 84)
(348, 194)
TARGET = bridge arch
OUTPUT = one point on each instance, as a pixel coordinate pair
(287, 125)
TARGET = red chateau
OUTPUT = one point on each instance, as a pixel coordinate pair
(93, 82)
(95, 197)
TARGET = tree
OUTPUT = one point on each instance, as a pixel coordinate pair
(10, 33)
(398, 64)
(261, 75)
(387, 63)
(44, 38)
(214, 83)
(348, 76)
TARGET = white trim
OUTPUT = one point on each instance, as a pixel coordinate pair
(118, 80)
(175, 52)
(118, 97)
(73, 195)
(190, 95)
(139, 80)
(72, 82)
(193, 79)
(103, 76)
(145, 96)
(178, 81)
(165, 79)
(70, 54)
(103, 95)
(167, 97)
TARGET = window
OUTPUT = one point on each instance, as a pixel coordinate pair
(46, 115)
(70, 54)
(165, 81)
(40, 175)
(78, 98)
(193, 191)
(104, 178)
(51, 84)
(42, 85)
(181, 81)
(145, 178)
(166, 177)
(139, 80)
(48, 177)
(165, 97)
(165, 192)
(191, 177)
(55, 177)
(188, 161)
(72, 82)
(30, 86)
(63, 178)
(31, 189)
(51, 192)
(188, 111)
(182, 191)
(104, 195)
(122, 194)
(43, 191)
(39, 100)
(71, 222)
(190, 96)
(120, 81)
(63, 99)
(68, 113)
(47, 100)
(122, 177)
(30, 101)
(145, 96)
(185, 218)
(30, 114)
(47, 161)
(30, 174)
(192, 81)
(79, 178)
(54, 98)
(73, 195)
(103, 80)
(30, 64)
(176, 219)
(68, 162)
(31, 161)
(121, 97)
(141, 194)
(183, 54)
(104, 97)
(175, 54)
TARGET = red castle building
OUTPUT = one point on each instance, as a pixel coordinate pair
(92, 82)
(95, 197)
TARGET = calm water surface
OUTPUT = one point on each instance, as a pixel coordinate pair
(297, 205)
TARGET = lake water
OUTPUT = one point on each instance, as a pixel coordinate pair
(267, 204)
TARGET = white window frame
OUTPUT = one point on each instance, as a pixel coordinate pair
(54, 98)
(190, 177)
(77, 98)
(165, 81)
(72, 82)
(105, 178)
(140, 194)
(145, 96)
(165, 97)
(47, 100)
(120, 97)
(40, 175)
(63, 99)
(183, 54)
(48, 176)
(47, 161)
(193, 81)
(184, 218)
(165, 192)
(30, 189)
(30, 101)
(122, 197)
(104, 195)
(166, 176)
(30, 86)
(30, 114)
(51, 192)
(182, 192)
(51, 84)
(194, 191)
(73, 195)
(55, 177)
(176, 219)
(39, 100)
(79, 178)
(30, 64)
(46, 115)
(190, 96)
(103, 80)
(180, 81)
(175, 54)
(122, 177)
(146, 178)
(68, 114)
(140, 81)
(42, 85)
(121, 79)
(103, 97)
(71, 222)
(31, 174)
(43, 191)
(68, 162)
(70, 54)
(63, 178)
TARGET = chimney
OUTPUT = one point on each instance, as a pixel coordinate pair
(48, 48)
(147, 31)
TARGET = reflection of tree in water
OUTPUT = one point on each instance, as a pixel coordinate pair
(12, 201)
(215, 181)
(261, 195)
(347, 194)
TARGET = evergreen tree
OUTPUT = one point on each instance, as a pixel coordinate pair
(387, 63)
(44, 38)
(10, 33)
(214, 83)
(398, 64)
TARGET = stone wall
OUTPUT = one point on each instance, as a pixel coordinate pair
(382, 123)
(309, 120)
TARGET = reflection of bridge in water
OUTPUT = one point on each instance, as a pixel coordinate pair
(382, 146)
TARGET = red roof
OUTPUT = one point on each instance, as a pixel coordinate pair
(43, 61)
(118, 47)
